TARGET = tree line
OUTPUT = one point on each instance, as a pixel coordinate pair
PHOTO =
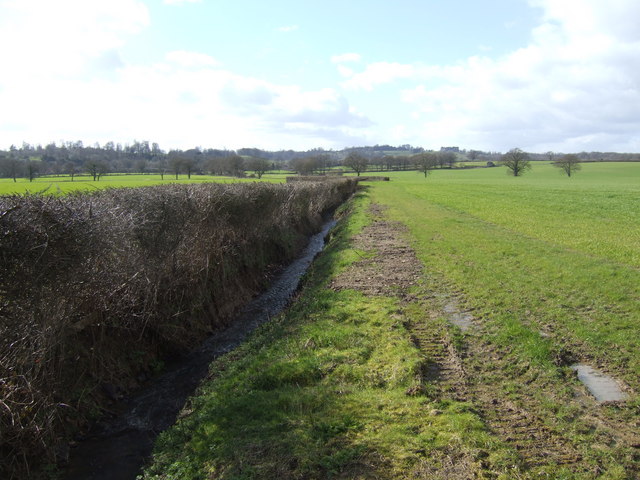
(75, 158)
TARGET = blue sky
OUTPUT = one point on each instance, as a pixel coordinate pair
(560, 75)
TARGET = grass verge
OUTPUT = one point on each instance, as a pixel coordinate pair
(325, 391)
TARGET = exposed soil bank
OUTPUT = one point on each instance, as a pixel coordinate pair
(118, 448)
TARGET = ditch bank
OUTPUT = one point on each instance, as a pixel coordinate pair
(118, 448)
(98, 290)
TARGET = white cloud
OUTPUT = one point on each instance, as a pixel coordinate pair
(346, 57)
(70, 82)
(288, 28)
(575, 86)
(345, 71)
(380, 73)
(65, 37)
(180, 2)
(191, 59)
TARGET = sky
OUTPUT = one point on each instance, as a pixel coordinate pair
(541, 75)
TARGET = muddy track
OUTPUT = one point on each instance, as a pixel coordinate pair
(473, 373)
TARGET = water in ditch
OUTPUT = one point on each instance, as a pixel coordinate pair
(118, 449)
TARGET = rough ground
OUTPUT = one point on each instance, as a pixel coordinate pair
(474, 370)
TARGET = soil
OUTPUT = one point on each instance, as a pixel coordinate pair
(476, 371)
(391, 270)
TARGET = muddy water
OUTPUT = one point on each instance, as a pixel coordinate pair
(462, 319)
(603, 387)
(117, 449)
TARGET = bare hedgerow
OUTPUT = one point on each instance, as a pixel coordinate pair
(95, 287)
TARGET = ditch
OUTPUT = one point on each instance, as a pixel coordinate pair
(118, 447)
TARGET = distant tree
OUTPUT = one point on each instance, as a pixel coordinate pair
(305, 165)
(162, 166)
(141, 165)
(550, 155)
(516, 161)
(233, 165)
(569, 164)
(258, 165)
(31, 169)
(473, 155)
(191, 161)
(356, 162)
(447, 158)
(10, 167)
(321, 162)
(70, 169)
(175, 164)
(189, 164)
(96, 168)
(388, 161)
(425, 162)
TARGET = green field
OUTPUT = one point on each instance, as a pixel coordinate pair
(554, 253)
(549, 268)
(64, 184)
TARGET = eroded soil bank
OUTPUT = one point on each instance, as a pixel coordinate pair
(117, 448)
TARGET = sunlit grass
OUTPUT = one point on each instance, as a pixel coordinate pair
(64, 184)
(321, 393)
(540, 253)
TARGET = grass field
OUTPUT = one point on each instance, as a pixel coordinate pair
(64, 184)
(549, 268)
(562, 253)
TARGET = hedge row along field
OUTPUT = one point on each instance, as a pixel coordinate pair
(97, 288)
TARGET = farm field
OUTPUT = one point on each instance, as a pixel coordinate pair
(63, 184)
(435, 339)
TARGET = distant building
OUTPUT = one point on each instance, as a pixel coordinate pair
(450, 149)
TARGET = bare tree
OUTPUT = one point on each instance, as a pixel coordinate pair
(162, 166)
(446, 158)
(31, 169)
(258, 165)
(305, 165)
(96, 168)
(70, 169)
(425, 162)
(175, 164)
(233, 165)
(189, 164)
(516, 161)
(10, 167)
(473, 155)
(356, 162)
(141, 165)
(569, 164)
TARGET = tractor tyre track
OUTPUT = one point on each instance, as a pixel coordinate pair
(390, 268)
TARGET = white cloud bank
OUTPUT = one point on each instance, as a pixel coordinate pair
(575, 87)
(346, 57)
(180, 2)
(288, 28)
(69, 82)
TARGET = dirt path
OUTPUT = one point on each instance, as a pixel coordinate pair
(477, 371)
